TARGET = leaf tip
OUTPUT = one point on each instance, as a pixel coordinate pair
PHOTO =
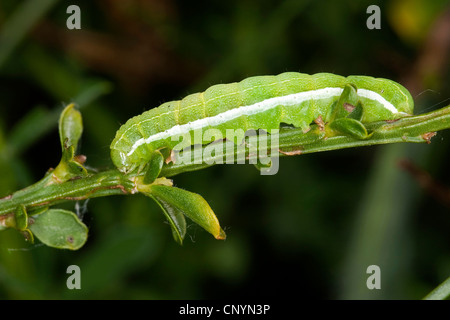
(221, 235)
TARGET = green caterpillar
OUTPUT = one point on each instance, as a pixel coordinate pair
(261, 102)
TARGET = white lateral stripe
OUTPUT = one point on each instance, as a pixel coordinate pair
(375, 96)
(289, 100)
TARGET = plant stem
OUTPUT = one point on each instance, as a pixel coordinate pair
(417, 129)
(47, 193)
(292, 141)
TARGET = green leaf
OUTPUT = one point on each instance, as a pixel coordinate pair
(192, 205)
(175, 217)
(349, 97)
(154, 167)
(70, 127)
(60, 229)
(350, 127)
(70, 130)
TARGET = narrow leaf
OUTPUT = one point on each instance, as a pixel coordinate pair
(192, 205)
(350, 127)
(174, 216)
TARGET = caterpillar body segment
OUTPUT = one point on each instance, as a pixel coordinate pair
(261, 102)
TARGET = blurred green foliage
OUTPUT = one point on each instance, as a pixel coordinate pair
(309, 231)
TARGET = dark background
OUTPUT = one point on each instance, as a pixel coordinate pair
(309, 231)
